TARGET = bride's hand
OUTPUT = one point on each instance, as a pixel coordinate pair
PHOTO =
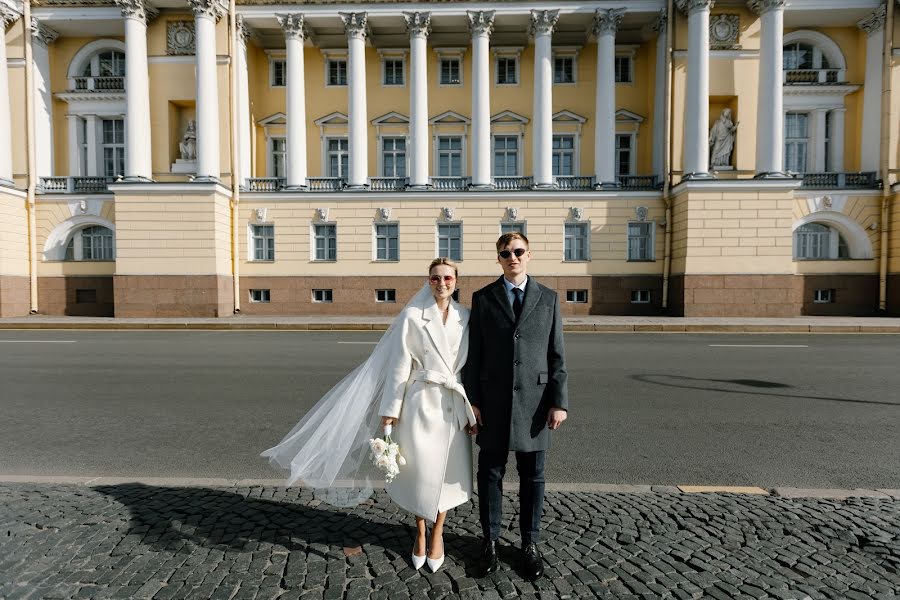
(388, 421)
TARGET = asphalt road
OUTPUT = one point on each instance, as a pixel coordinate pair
(766, 410)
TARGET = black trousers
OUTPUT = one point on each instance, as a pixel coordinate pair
(491, 469)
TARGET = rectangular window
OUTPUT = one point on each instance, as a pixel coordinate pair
(823, 296)
(624, 69)
(322, 296)
(278, 149)
(576, 296)
(338, 157)
(113, 147)
(450, 240)
(278, 72)
(640, 296)
(624, 154)
(263, 242)
(507, 70)
(337, 71)
(85, 296)
(83, 139)
(450, 71)
(260, 296)
(563, 69)
(393, 157)
(640, 241)
(385, 295)
(393, 71)
(387, 241)
(796, 142)
(506, 156)
(512, 226)
(325, 241)
(563, 155)
(450, 156)
(576, 241)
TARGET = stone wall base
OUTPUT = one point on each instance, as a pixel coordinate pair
(173, 295)
(15, 296)
(76, 296)
(772, 295)
(893, 295)
(357, 295)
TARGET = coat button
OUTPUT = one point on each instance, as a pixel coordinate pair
(515, 362)
(516, 388)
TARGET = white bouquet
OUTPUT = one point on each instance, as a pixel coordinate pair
(386, 455)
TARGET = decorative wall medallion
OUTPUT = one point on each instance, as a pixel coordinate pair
(447, 213)
(827, 202)
(576, 213)
(260, 214)
(724, 31)
(385, 214)
(512, 213)
(180, 37)
(641, 212)
(322, 214)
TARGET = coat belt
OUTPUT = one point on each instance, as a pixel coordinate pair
(464, 413)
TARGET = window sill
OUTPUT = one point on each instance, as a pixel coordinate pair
(640, 260)
(576, 260)
(260, 260)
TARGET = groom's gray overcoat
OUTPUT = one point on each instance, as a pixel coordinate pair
(515, 371)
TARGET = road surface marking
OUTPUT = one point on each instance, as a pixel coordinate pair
(371, 343)
(758, 346)
(37, 341)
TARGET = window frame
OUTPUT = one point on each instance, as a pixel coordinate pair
(327, 295)
(384, 70)
(386, 296)
(328, 250)
(337, 60)
(263, 296)
(274, 61)
(327, 154)
(507, 55)
(384, 152)
(632, 153)
(509, 226)
(573, 151)
(268, 241)
(438, 238)
(627, 56)
(272, 156)
(76, 242)
(118, 148)
(574, 68)
(518, 138)
(451, 152)
(376, 237)
(587, 241)
(831, 242)
(806, 142)
(640, 296)
(650, 237)
(573, 296)
(459, 71)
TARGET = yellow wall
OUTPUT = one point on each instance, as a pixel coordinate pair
(13, 234)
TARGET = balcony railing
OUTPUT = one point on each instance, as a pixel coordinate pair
(388, 184)
(74, 185)
(836, 181)
(810, 76)
(639, 182)
(100, 84)
(445, 184)
(265, 184)
(513, 183)
(325, 184)
(574, 182)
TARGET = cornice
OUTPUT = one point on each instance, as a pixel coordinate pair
(355, 24)
(92, 96)
(606, 20)
(481, 22)
(543, 22)
(418, 24)
(293, 26)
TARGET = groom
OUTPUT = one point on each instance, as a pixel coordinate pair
(515, 378)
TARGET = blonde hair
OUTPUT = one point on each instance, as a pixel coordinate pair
(507, 238)
(444, 260)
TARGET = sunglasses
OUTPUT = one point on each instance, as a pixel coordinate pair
(519, 252)
(436, 279)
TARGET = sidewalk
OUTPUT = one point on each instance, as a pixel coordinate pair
(133, 540)
(605, 324)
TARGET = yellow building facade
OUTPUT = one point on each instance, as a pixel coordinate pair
(683, 157)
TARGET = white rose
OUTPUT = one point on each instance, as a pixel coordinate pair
(383, 463)
(378, 446)
(401, 461)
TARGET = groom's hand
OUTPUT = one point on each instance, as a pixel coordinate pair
(473, 429)
(555, 417)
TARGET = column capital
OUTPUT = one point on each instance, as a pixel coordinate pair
(606, 20)
(213, 9)
(543, 22)
(662, 19)
(875, 21)
(242, 30)
(355, 24)
(692, 6)
(42, 34)
(137, 9)
(418, 24)
(481, 22)
(8, 15)
(761, 7)
(293, 26)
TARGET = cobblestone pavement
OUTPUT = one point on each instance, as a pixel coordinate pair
(139, 541)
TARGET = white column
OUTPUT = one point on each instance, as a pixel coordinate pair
(481, 24)
(606, 23)
(43, 109)
(206, 14)
(7, 17)
(769, 104)
(73, 122)
(873, 25)
(355, 28)
(837, 140)
(819, 117)
(418, 25)
(138, 165)
(93, 144)
(696, 112)
(659, 96)
(243, 106)
(294, 36)
(542, 25)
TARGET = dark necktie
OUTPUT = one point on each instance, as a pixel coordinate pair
(517, 302)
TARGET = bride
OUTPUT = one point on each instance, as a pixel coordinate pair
(411, 383)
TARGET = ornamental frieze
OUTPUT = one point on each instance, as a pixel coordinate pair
(180, 38)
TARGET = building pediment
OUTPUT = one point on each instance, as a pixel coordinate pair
(627, 116)
(567, 116)
(508, 116)
(391, 118)
(449, 118)
(278, 118)
(335, 118)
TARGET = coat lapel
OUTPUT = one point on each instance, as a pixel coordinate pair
(460, 320)
(498, 290)
(532, 296)
(431, 314)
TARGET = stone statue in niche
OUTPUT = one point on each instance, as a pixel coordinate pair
(721, 140)
(188, 145)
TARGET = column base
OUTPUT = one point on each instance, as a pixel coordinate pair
(607, 185)
(135, 179)
(697, 176)
(772, 175)
(206, 179)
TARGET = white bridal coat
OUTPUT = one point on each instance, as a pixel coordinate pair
(424, 392)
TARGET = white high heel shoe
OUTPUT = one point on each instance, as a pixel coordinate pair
(434, 563)
(418, 561)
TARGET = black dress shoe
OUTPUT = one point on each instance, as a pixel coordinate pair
(488, 562)
(532, 562)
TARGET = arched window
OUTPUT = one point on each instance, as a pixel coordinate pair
(806, 63)
(104, 71)
(815, 241)
(91, 243)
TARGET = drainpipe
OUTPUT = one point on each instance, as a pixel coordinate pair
(235, 158)
(885, 249)
(667, 154)
(32, 157)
